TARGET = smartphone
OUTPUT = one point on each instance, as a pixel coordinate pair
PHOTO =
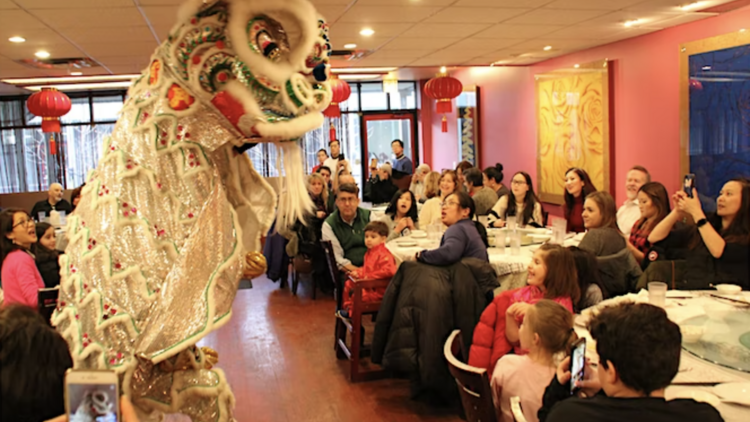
(92, 396)
(577, 363)
(688, 184)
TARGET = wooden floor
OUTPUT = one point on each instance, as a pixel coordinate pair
(277, 353)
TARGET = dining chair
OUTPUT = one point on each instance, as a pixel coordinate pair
(473, 383)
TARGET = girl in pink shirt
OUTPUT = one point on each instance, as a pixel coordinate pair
(19, 277)
(547, 330)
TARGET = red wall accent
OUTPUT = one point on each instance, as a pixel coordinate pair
(646, 104)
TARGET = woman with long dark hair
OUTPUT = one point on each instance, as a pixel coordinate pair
(718, 243)
(464, 237)
(18, 273)
(521, 203)
(401, 214)
(460, 170)
(577, 187)
(653, 201)
(589, 280)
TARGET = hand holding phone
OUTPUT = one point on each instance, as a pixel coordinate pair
(577, 364)
(688, 184)
(92, 396)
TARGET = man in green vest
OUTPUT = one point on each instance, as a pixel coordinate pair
(345, 229)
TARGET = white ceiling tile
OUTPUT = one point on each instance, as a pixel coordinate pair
(100, 35)
(479, 61)
(618, 18)
(34, 37)
(502, 3)
(126, 69)
(368, 62)
(508, 31)
(430, 44)
(443, 30)
(432, 61)
(390, 3)
(474, 14)
(343, 29)
(482, 45)
(7, 5)
(72, 4)
(362, 43)
(331, 12)
(399, 54)
(163, 16)
(555, 17)
(585, 32)
(114, 49)
(164, 2)
(661, 6)
(314, 2)
(94, 18)
(21, 51)
(393, 14)
(19, 19)
(681, 19)
(591, 4)
(139, 61)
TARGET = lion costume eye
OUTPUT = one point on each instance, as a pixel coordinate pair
(267, 45)
(267, 37)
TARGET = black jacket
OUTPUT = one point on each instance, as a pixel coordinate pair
(421, 307)
(559, 406)
(48, 266)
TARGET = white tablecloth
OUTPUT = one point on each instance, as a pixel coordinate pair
(693, 370)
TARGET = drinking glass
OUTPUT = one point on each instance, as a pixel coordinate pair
(657, 293)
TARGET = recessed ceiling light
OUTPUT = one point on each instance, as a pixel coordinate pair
(631, 22)
(42, 54)
(76, 73)
(350, 46)
(693, 5)
(358, 76)
(366, 32)
(548, 48)
(443, 69)
(17, 39)
(742, 30)
(576, 65)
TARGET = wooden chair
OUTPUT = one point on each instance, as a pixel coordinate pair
(473, 383)
(302, 264)
(515, 408)
(353, 325)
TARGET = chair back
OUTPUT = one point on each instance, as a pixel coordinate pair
(473, 383)
(515, 408)
(403, 183)
(333, 271)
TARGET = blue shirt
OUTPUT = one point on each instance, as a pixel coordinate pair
(461, 240)
(403, 165)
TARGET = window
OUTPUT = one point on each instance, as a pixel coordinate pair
(27, 161)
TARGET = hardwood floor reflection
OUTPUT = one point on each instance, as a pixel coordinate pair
(277, 353)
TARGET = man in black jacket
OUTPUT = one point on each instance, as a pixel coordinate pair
(639, 355)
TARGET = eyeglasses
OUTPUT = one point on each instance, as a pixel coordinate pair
(24, 222)
(516, 182)
(446, 204)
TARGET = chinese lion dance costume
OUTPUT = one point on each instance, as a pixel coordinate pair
(172, 217)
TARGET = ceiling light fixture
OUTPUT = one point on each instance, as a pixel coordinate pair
(443, 69)
(78, 87)
(691, 6)
(742, 30)
(548, 48)
(76, 73)
(363, 70)
(42, 54)
(350, 46)
(359, 76)
(576, 65)
(69, 79)
(17, 39)
(366, 32)
(631, 22)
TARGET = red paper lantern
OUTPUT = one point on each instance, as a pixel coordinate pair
(444, 89)
(340, 92)
(49, 104)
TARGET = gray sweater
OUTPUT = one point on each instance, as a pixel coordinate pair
(617, 267)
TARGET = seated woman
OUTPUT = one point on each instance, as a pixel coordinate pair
(578, 186)
(653, 202)
(493, 179)
(46, 256)
(401, 215)
(464, 237)
(319, 195)
(603, 238)
(431, 187)
(432, 209)
(418, 181)
(718, 244)
(521, 203)
(20, 278)
(589, 280)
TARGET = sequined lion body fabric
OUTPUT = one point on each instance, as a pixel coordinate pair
(174, 209)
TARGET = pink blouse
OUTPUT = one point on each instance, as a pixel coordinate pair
(21, 280)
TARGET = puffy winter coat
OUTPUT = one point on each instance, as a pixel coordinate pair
(421, 306)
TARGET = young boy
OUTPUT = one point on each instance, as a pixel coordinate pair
(379, 264)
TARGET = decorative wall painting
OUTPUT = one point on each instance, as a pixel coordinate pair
(573, 127)
(715, 112)
(468, 125)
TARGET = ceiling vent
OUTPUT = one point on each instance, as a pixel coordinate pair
(350, 54)
(70, 63)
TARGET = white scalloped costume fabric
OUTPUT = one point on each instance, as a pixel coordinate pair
(157, 244)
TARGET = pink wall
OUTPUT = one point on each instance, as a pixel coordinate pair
(646, 103)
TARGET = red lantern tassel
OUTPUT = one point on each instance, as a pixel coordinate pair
(445, 124)
(52, 145)
(332, 133)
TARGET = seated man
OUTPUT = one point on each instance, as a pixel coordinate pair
(484, 197)
(383, 189)
(639, 355)
(345, 229)
(54, 201)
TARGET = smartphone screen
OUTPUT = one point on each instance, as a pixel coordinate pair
(577, 363)
(688, 184)
(92, 396)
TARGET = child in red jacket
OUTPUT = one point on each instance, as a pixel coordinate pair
(379, 264)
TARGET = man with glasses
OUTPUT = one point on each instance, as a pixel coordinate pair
(54, 202)
(345, 229)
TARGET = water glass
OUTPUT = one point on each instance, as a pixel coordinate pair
(657, 293)
(500, 241)
(515, 243)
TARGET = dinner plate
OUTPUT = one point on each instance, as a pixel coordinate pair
(419, 234)
(734, 392)
(407, 243)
